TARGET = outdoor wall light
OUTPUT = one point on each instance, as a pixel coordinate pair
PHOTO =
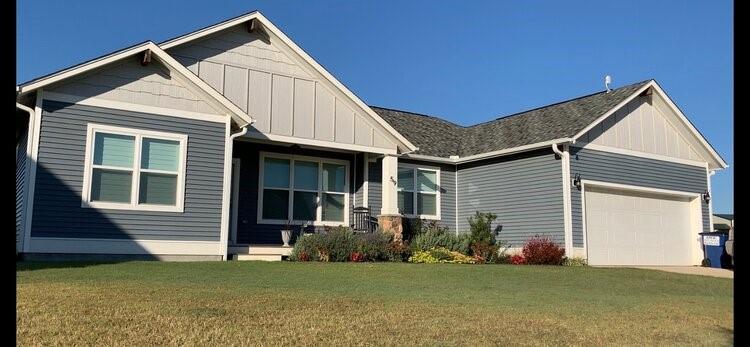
(706, 196)
(577, 181)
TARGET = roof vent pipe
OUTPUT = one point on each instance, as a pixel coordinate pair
(607, 82)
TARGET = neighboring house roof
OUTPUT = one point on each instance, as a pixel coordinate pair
(563, 120)
(725, 216)
(212, 96)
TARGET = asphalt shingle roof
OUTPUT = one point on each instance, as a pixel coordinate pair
(441, 138)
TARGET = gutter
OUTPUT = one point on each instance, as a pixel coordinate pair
(500, 153)
(28, 110)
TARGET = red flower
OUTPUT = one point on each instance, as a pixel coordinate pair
(357, 257)
(517, 259)
(303, 256)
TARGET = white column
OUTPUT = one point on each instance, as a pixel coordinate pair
(389, 180)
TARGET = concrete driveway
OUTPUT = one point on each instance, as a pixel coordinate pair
(693, 270)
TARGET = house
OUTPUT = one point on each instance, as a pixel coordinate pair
(205, 145)
(723, 222)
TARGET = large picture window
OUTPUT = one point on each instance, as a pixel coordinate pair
(134, 169)
(418, 191)
(303, 189)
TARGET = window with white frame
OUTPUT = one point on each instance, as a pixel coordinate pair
(302, 189)
(418, 191)
(134, 169)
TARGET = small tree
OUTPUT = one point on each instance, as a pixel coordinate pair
(481, 227)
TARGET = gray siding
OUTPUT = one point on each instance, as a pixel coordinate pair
(374, 187)
(625, 169)
(524, 191)
(248, 230)
(20, 185)
(59, 179)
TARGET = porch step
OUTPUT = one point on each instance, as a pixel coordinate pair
(260, 252)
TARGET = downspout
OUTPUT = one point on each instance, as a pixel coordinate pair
(710, 202)
(229, 145)
(567, 210)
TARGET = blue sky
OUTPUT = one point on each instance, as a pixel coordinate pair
(466, 62)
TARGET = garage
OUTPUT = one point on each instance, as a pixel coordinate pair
(630, 227)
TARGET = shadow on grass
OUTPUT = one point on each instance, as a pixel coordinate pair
(44, 265)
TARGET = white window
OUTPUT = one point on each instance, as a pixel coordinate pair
(134, 169)
(419, 191)
(303, 190)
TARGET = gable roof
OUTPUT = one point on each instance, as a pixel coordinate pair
(270, 27)
(561, 122)
(214, 98)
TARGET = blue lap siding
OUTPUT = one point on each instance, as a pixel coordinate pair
(60, 170)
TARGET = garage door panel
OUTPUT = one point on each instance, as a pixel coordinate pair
(632, 228)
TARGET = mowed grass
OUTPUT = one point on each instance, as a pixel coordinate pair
(258, 303)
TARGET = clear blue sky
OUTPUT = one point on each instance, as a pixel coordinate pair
(466, 62)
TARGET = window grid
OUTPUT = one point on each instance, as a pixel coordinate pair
(416, 191)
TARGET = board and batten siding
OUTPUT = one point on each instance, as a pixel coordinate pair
(523, 190)
(279, 90)
(128, 81)
(447, 190)
(21, 186)
(625, 169)
(643, 125)
(60, 170)
(248, 229)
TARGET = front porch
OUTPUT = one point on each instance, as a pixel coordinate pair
(277, 185)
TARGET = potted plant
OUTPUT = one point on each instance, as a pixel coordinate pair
(286, 233)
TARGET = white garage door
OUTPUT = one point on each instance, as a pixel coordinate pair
(633, 228)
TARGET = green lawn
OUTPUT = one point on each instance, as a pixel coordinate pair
(253, 303)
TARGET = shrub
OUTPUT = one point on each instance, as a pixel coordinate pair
(480, 226)
(433, 236)
(574, 261)
(397, 251)
(484, 252)
(440, 255)
(373, 246)
(517, 259)
(336, 244)
(543, 251)
(357, 257)
(306, 248)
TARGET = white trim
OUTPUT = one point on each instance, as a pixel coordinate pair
(181, 74)
(415, 192)
(126, 106)
(138, 135)
(32, 150)
(455, 167)
(122, 246)
(511, 150)
(429, 158)
(290, 189)
(710, 173)
(603, 184)
(296, 49)
(25, 178)
(317, 143)
(696, 212)
(236, 162)
(632, 153)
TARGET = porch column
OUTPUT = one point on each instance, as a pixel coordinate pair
(390, 219)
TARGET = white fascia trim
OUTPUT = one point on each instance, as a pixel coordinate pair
(298, 50)
(318, 143)
(429, 158)
(32, 152)
(126, 106)
(482, 156)
(633, 153)
(214, 98)
(603, 184)
(120, 246)
(612, 110)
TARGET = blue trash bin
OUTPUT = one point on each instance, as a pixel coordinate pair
(715, 254)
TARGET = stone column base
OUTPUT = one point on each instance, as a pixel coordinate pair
(392, 223)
